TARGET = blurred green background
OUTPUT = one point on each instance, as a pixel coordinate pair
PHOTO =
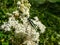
(48, 12)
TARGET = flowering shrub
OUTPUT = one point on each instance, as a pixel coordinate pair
(22, 25)
(25, 32)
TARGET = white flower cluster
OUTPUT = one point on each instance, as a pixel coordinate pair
(24, 29)
(39, 24)
(24, 7)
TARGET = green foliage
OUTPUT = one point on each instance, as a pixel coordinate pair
(49, 14)
(54, 1)
(5, 43)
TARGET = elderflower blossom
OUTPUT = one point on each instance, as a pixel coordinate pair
(16, 13)
(29, 42)
(18, 3)
(39, 24)
(6, 27)
(24, 30)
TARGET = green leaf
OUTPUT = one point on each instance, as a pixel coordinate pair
(54, 1)
(41, 1)
(5, 43)
(52, 38)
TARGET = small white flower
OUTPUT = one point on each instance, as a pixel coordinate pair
(29, 43)
(7, 28)
(3, 26)
(18, 3)
(16, 13)
(36, 18)
(9, 14)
